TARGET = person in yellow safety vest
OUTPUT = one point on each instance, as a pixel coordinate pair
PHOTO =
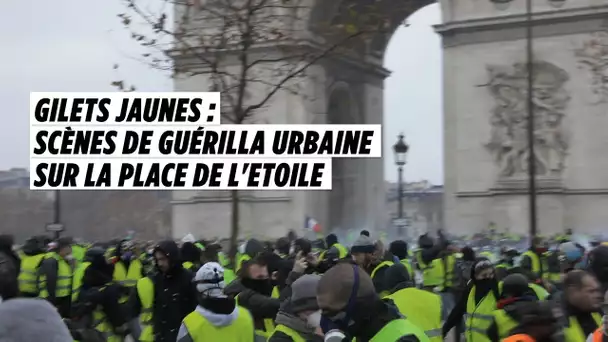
(128, 269)
(517, 294)
(216, 317)
(506, 262)
(92, 254)
(165, 298)
(253, 290)
(335, 250)
(55, 276)
(369, 256)
(25, 319)
(250, 249)
(97, 305)
(581, 304)
(33, 254)
(539, 322)
(399, 249)
(429, 262)
(448, 260)
(476, 304)
(552, 271)
(423, 308)
(533, 259)
(191, 257)
(301, 320)
(351, 308)
(78, 251)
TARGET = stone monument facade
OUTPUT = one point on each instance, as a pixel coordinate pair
(344, 88)
(486, 144)
(485, 137)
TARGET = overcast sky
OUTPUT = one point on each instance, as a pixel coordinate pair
(71, 45)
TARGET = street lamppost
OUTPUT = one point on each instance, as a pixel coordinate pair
(501, 5)
(57, 212)
(400, 149)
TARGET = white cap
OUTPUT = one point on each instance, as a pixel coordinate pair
(205, 277)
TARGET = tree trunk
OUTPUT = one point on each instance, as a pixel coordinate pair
(234, 232)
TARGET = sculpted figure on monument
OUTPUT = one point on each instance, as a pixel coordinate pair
(594, 57)
(509, 119)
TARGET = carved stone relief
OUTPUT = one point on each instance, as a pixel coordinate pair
(593, 56)
(509, 142)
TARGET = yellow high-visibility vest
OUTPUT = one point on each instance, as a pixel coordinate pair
(145, 292)
(200, 330)
(422, 308)
(63, 287)
(28, 277)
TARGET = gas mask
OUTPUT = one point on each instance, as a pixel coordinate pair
(336, 327)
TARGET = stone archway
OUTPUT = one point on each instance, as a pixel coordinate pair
(354, 96)
(342, 109)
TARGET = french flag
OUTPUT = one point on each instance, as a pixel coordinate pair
(312, 224)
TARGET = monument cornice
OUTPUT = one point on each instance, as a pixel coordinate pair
(510, 27)
(516, 192)
(369, 64)
(225, 199)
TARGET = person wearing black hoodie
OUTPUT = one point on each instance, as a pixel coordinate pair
(516, 294)
(99, 296)
(253, 289)
(191, 257)
(174, 293)
(482, 287)
(425, 260)
(6, 246)
(598, 265)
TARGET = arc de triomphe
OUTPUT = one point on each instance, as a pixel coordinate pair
(484, 75)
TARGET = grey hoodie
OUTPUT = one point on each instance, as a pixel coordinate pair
(31, 320)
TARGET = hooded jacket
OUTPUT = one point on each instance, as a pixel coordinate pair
(98, 291)
(6, 246)
(514, 309)
(174, 295)
(302, 299)
(460, 308)
(28, 319)
(261, 306)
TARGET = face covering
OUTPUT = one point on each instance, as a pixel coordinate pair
(127, 255)
(314, 319)
(261, 286)
(69, 257)
(484, 283)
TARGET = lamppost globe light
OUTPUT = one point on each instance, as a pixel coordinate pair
(501, 5)
(400, 149)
